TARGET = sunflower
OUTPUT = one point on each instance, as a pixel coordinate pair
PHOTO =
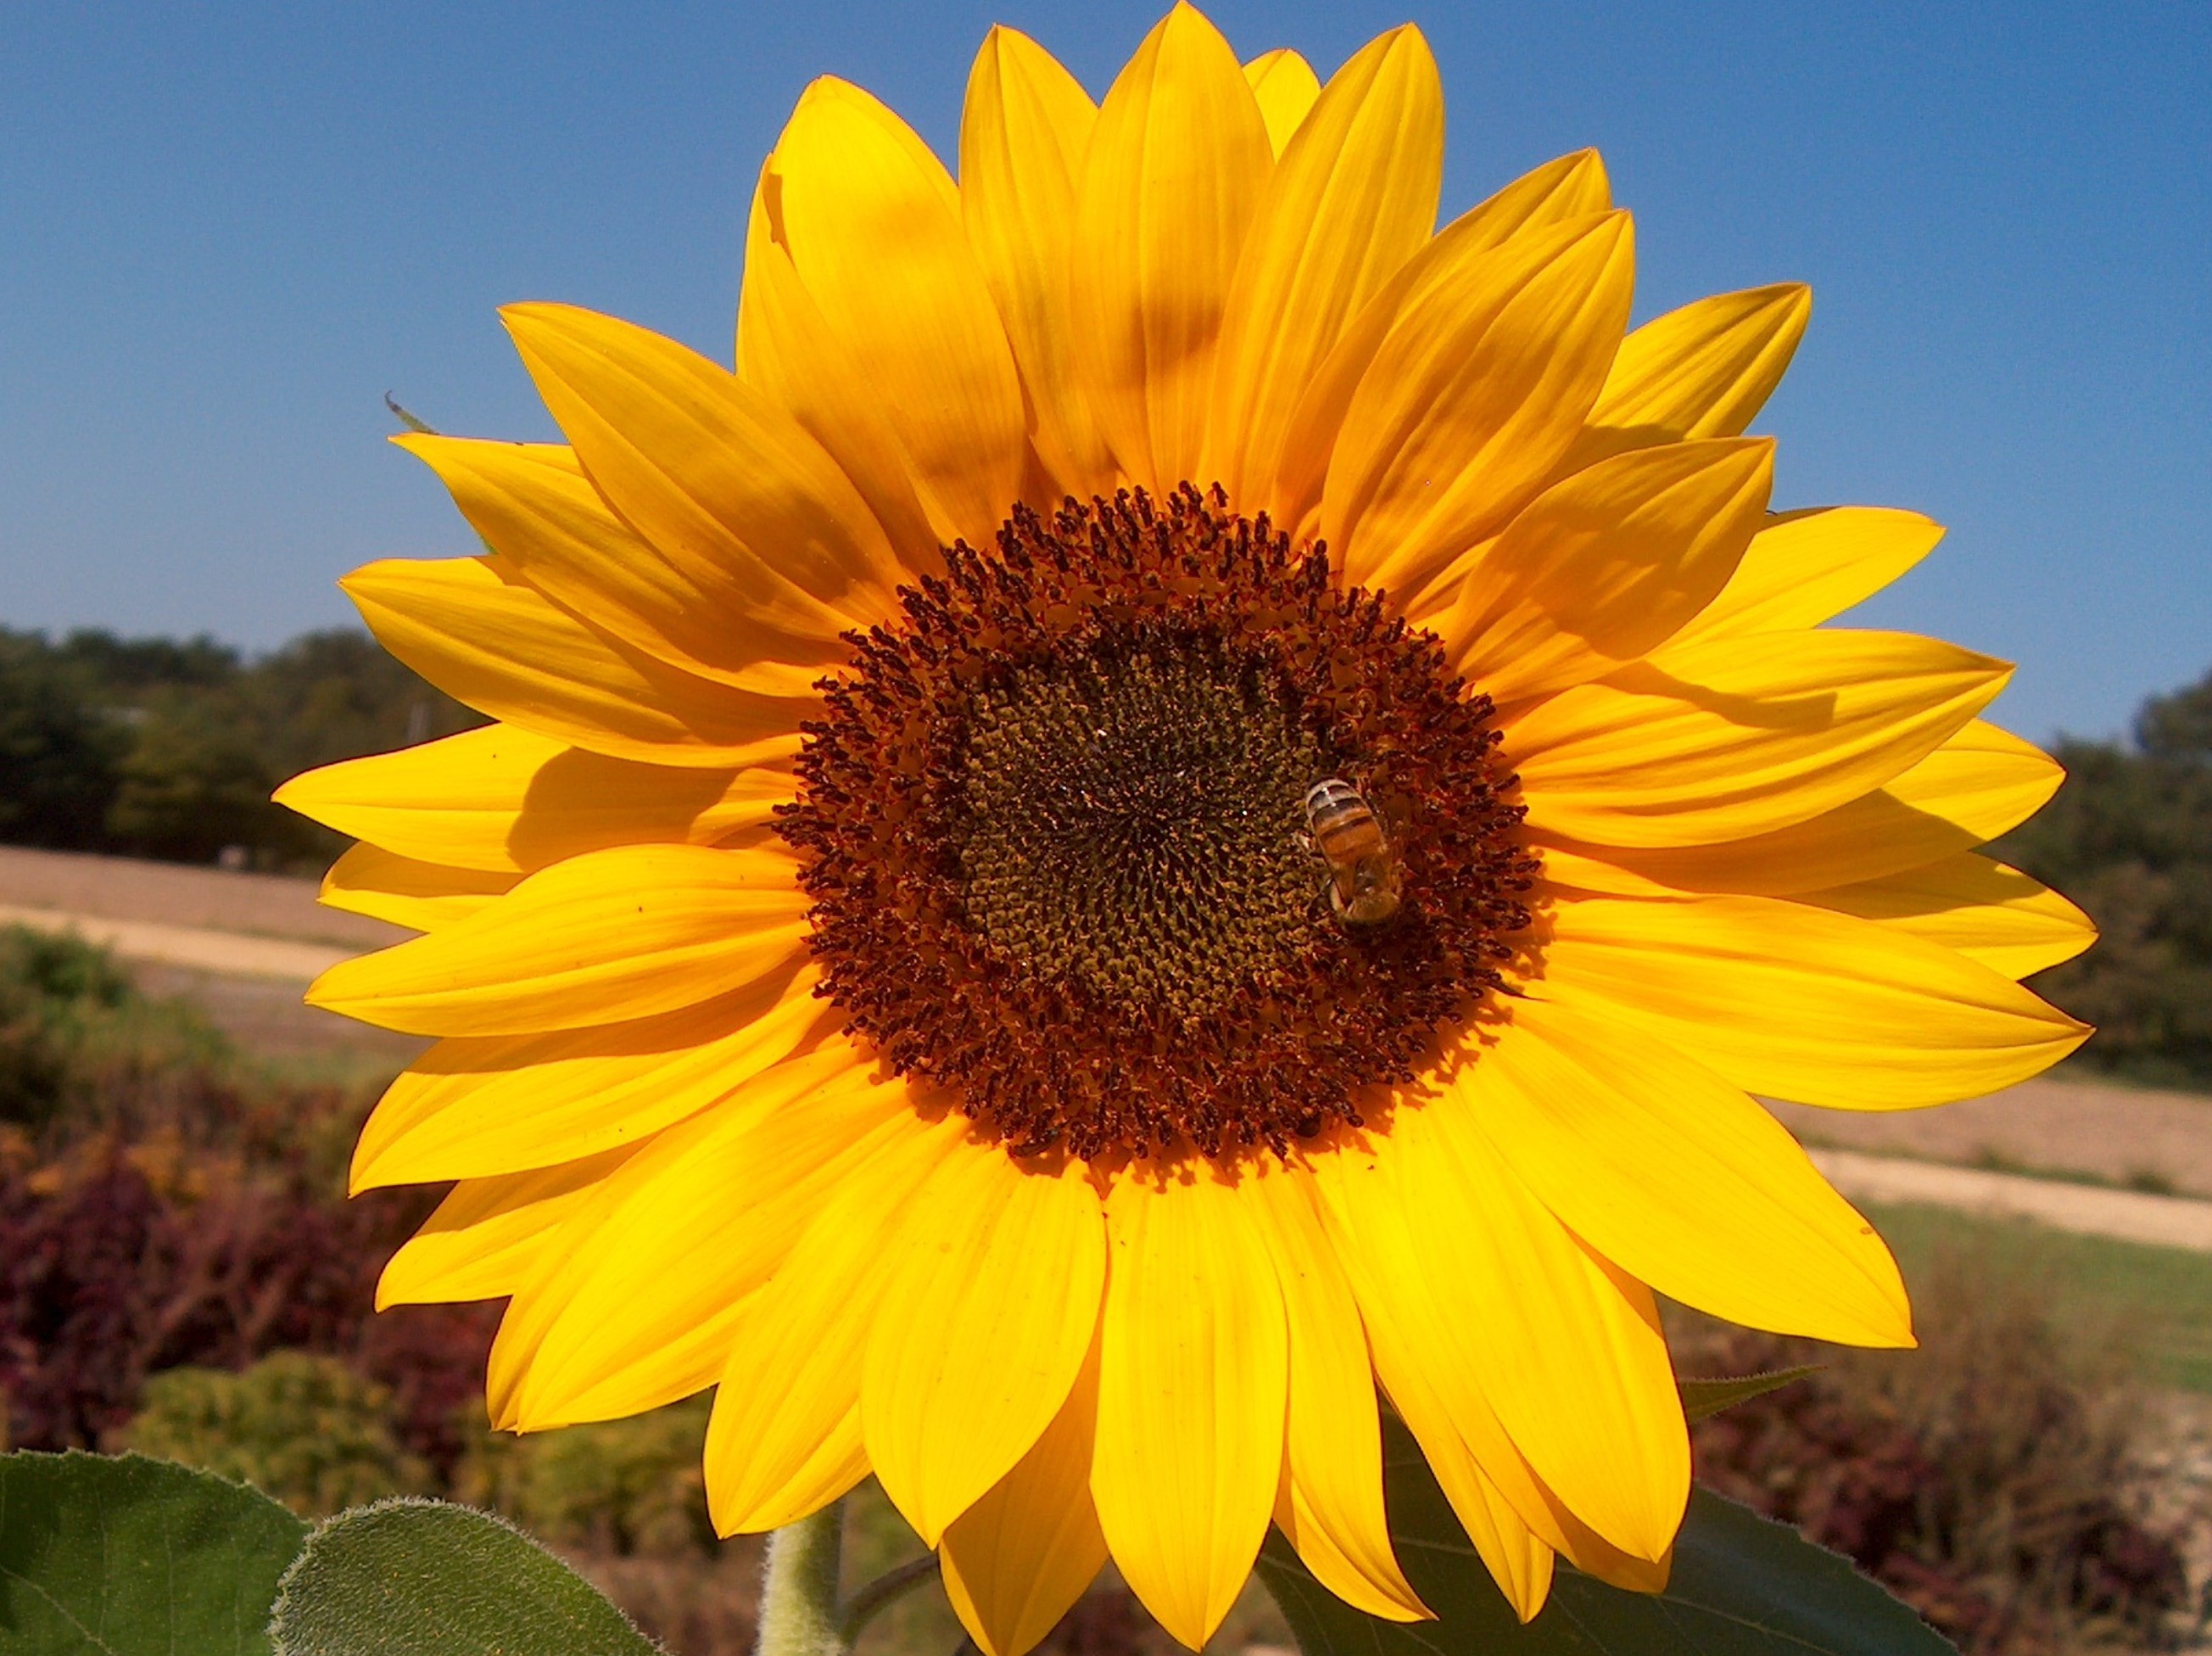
(1185, 799)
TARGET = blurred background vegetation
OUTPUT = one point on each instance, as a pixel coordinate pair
(2130, 838)
(160, 748)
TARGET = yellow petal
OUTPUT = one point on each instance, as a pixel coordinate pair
(1518, 1559)
(1592, 1554)
(1980, 784)
(1330, 1501)
(422, 896)
(785, 1432)
(1569, 186)
(1413, 1318)
(613, 935)
(1516, 1521)
(1023, 134)
(871, 222)
(533, 506)
(1193, 1383)
(789, 351)
(831, 1472)
(1565, 1348)
(1702, 371)
(1016, 1561)
(1473, 399)
(488, 638)
(1352, 198)
(1985, 910)
(1286, 86)
(506, 800)
(1572, 187)
(486, 1238)
(505, 1103)
(1173, 175)
(1678, 1178)
(1605, 565)
(640, 1305)
(1808, 567)
(993, 1303)
(1791, 1002)
(1742, 736)
(724, 485)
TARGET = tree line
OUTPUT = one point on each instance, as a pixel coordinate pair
(160, 747)
(2129, 837)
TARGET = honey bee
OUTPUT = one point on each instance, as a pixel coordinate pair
(1364, 879)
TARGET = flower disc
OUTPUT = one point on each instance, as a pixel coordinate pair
(1059, 851)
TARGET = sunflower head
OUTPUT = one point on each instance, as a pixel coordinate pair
(1179, 801)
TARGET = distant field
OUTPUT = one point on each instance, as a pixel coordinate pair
(177, 894)
(263, 1014)
(2122, 1135)
(2158, 1300)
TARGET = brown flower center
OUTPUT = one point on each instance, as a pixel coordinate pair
(1056, 833)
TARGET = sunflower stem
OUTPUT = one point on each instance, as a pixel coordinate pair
(798, 1590)
(886, 1590)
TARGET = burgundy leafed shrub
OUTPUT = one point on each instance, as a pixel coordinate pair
(433, 1358)
(1989, 1478)
(111, 1270)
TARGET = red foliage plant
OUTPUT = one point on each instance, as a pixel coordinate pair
(112, 1268)
(1986, 1478)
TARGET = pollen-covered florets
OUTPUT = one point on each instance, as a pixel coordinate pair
(1056, 834)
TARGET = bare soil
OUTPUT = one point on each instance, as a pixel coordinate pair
(2158, 1222)
(174, 894)
(2151, 1140)
(239, 946)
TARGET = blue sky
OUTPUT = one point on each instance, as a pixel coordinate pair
(227, 229)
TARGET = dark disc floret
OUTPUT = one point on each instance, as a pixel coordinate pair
(1052, 824)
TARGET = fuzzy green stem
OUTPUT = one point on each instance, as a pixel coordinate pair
(799, 1591)
(886, 1590)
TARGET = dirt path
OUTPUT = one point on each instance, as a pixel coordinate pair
(2161, 1221)
(232, 953)
(240, 947)
(2127, 1135)
(173, 894)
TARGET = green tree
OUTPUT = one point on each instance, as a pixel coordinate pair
(2130, 838)
(336, 695)
(58, 754)
(110, 667)
(302, 1428)
(196, 779)
(169, 748)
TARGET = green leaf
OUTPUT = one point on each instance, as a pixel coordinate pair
(116, 1555)
(1703, 1399)
(1742, 1586)
(423, 1578)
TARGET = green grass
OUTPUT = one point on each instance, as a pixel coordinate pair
(2158, 1300)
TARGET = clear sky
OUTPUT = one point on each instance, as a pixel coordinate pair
(227, 229)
